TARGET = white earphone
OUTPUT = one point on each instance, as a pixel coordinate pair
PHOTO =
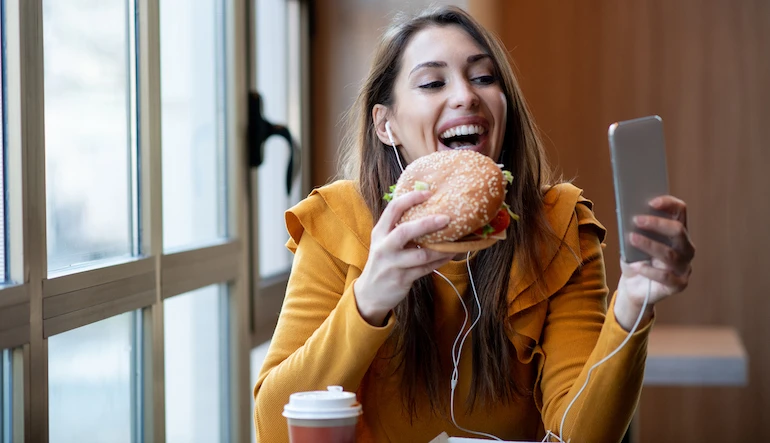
(393, 143)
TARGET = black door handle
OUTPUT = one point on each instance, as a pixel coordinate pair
(260, 130)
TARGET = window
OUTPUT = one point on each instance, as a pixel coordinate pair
(3, 262)
(280, 75)
(196, 346)
(257, 358)
(92, 381)
(195, 214)
(90, 145)
(193, 120)
(6, 397)
(122, 215)
(277, 71)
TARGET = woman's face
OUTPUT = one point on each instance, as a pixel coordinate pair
(447, 96)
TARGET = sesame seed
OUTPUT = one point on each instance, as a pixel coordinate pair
(466, 185)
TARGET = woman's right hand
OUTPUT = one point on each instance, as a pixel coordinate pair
(393, 264)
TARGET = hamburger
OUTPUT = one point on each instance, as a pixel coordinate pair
(469, 188)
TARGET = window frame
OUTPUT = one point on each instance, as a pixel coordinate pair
(34, 305)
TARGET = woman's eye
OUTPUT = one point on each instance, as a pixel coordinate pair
(432, 85)
(484, 79)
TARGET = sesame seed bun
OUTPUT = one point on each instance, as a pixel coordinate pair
(467, 186)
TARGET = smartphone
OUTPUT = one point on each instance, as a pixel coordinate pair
(638, 154)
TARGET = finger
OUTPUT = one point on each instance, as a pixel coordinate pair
(673, 229)
(406, 232)
(671, 205)
(395, 209)
(423, 270)
(672, 281)
(411, 258)
(671, 258)
(661, 225)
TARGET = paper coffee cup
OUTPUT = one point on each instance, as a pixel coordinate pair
(322, 416)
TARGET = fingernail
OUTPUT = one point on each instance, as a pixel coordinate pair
(639, 220)
(441, 219)
(656, 201)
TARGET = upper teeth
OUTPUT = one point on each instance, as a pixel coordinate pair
(463, 130)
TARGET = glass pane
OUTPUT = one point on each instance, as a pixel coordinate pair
(196, 379)
(273, 84)
(192, 109)
(88, 130)
(256, 358)
(6, 397)
(2, 143)
(90, 382)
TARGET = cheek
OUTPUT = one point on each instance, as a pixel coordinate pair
(503, 111)
(421, 121)
(501, 119)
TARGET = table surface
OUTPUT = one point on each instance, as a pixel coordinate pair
(695, 356)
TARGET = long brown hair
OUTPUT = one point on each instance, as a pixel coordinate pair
(375, 167)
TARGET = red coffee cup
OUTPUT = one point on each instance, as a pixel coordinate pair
(322, 416)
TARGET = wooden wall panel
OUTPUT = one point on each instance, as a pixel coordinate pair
(343, 37)
(704, 66)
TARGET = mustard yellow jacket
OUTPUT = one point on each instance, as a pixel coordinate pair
(321, 339)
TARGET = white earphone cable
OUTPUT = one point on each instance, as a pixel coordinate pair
(623, 343)
(393, 143)
(456, 355)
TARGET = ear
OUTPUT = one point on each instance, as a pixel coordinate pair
(380, 117)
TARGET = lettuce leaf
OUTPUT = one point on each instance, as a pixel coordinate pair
(389, 195)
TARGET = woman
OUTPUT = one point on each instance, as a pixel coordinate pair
(364, 309)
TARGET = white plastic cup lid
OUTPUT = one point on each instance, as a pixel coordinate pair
(331, 404)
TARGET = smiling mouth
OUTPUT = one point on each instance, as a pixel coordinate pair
(463, 137)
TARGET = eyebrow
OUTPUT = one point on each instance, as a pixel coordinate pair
(436, 64)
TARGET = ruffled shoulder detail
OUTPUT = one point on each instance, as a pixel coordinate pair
(337, 218)
(567, 212)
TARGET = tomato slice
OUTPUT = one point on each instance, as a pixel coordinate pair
(498, 224)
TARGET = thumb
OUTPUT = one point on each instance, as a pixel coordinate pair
(631, 269)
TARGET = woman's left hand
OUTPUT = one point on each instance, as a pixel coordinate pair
(668, 271)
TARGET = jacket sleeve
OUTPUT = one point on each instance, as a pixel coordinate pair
(320, 339)
(579, 332)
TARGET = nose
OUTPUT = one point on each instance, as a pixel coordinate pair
(463, 95)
